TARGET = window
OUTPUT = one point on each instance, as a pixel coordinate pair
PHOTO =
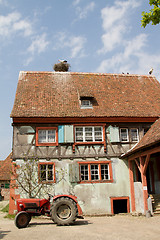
(46, 136)
(89, 134)
(134, 135)
(95, 172)
(86, 103)
(127, 135)
(46, 172)
(124, 135)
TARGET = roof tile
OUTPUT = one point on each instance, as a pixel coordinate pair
(57, 94)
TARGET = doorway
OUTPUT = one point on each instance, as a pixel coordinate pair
(120, 205)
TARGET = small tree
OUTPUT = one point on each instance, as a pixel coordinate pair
(26, 177)
(153, 15)
(61, 67)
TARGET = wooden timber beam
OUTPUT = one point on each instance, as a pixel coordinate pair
(138, 164)
(144, 185)
(144, 153)
(146, 164)
(131, 186)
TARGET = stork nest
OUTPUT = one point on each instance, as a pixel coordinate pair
(61, 67)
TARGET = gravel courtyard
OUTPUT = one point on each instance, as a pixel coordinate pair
(95, 228)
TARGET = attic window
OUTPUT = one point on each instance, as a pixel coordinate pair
(86, 103)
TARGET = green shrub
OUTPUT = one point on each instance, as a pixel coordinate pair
(5, 209)
(10, 216)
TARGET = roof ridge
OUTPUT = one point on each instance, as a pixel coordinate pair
(84, 73)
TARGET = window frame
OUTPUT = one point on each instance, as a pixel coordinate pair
(39, 172)
(93, 126)
(137, 135)
(47, 143)
(89, 106)
(91, 143)
(99, 163)
(129, 135)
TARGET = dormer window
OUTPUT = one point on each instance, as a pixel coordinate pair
(86, 103)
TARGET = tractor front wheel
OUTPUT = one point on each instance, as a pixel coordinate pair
(22, 219)
(64, 211)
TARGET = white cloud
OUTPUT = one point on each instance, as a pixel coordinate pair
(12, 24)
(114, 22)
(38, 45)
(112, 38)
(74, 43)
(77, 45)
(82, 12)
(3, 2)
(24, 26)
(124, 61)
(132, 55)
(76, 2)
(135, 45)
(133, 59)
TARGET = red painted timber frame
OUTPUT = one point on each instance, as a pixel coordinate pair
(119, 198)
(97, 162)
(54, 173)
(131, 186)
(47, 143)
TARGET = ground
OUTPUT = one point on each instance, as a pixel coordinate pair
(118, 227)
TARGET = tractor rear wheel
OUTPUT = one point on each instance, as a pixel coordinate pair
(22, 219)
(64, 211)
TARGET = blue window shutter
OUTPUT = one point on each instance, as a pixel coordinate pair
(61, 134)
(114, 134)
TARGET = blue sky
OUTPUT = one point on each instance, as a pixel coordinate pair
(92, 35)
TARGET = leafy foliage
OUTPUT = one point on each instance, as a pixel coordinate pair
(5, 209)
(153, 15)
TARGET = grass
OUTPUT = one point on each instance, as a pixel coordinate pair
(10, 216)
(5, 209)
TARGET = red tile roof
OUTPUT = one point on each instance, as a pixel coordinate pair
(5, 168)
(152, 137)
(57, 94)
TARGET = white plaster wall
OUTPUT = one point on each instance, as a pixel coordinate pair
(139, 203)
(93, 198)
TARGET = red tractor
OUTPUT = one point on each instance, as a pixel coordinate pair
(63, 210)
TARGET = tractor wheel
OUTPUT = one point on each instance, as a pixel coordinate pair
(64, 211)
(22, 219)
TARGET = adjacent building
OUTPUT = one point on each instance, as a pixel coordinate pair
(5, 177)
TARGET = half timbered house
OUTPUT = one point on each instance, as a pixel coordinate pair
(76, 126)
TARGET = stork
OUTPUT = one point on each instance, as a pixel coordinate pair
(150, 71)
(62, 61)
